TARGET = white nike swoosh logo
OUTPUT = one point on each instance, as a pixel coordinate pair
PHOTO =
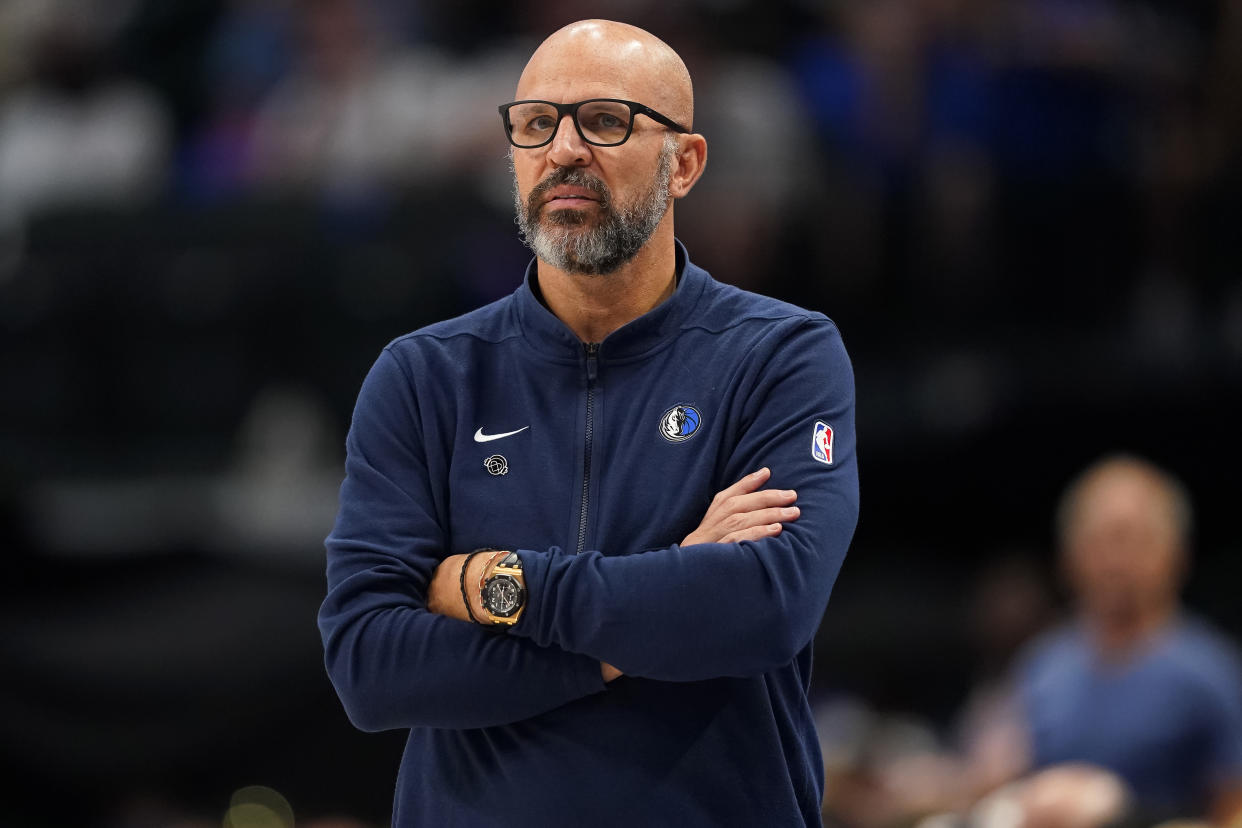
(480, 437)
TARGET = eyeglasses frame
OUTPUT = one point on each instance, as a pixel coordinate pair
(571, 109)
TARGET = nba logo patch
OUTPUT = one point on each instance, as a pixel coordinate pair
(821, 443)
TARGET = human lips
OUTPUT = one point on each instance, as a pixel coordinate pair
(565, 196)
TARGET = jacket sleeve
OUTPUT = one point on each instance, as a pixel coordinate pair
(738, 609)
(393, 663)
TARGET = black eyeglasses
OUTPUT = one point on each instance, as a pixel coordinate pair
(604, 122)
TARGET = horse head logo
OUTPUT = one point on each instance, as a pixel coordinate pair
(679, 423)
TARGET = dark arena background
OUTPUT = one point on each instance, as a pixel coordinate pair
(1022, 214)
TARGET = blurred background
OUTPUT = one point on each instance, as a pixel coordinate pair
(214, 213)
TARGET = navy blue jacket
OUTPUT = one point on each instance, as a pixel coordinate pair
(623, 445)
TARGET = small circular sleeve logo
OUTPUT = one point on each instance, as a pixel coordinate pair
(496, 465)
(679, 423)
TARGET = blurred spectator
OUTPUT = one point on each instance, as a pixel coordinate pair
(356, 113)
(1135, 685)
(335, 97)
(72, 130)
(1133, 709)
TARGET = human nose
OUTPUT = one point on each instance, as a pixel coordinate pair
(567, 148)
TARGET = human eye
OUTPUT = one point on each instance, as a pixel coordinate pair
(532, 121)
(541, 122)
(604, 120)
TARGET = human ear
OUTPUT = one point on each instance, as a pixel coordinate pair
(690, 160)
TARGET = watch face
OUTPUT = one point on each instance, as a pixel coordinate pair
(502, 595)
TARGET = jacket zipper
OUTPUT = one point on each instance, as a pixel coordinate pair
(592, 366)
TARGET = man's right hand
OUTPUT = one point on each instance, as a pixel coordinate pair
(743, 512)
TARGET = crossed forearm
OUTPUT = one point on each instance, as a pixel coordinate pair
(740, 512)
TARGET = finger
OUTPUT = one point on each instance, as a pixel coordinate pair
(754, 501)
(721, 513)
(745, 520)
(747, 484)
(767, 530)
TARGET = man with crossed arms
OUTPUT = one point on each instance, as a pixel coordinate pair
(505, 579)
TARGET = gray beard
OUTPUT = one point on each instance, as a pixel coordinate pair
(569, 241)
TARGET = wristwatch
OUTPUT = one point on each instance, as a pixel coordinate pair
(504, 592)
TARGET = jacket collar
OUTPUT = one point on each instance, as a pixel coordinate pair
(553, 338)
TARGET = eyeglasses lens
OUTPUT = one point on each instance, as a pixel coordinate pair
(601, 122)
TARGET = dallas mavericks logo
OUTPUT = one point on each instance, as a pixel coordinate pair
(821, 443)
(679, 423)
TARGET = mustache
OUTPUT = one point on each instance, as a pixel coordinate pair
(573, 177)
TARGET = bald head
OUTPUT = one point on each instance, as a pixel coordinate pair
(1124, 527)
(606, 59)
(1130, 487)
